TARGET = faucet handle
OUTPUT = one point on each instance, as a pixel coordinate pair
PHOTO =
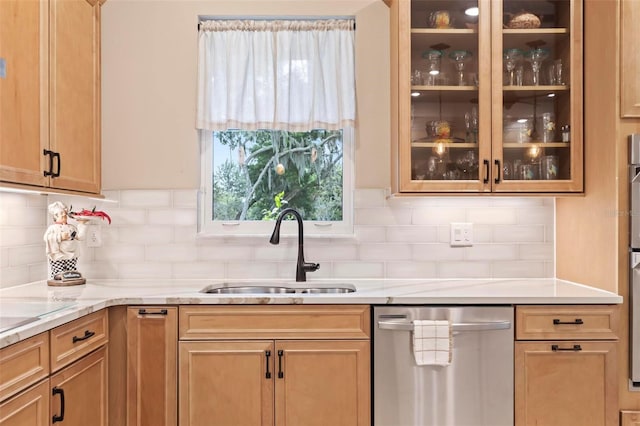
(310, 266)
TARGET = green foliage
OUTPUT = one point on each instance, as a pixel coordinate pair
(251, 189)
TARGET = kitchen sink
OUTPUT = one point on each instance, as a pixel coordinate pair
(265, 288)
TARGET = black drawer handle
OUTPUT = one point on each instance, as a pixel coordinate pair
(55, 391)
(280, 372)
(577, 321)
(486, 171)
(87, 334)
(56, 173)
(267, 354)
(160, 312)
(497, 163)
(575, 348)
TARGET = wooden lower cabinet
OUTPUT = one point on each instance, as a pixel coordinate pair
(280, 382)
(566, 366)
(29, 408)
(82, 387)
(152, 356)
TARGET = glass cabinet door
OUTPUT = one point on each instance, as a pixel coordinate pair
(444, 90)
(537, 74)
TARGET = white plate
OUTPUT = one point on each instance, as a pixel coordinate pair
(89, 218)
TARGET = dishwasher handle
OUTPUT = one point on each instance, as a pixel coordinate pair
(462, 326)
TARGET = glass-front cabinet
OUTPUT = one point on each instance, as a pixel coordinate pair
(488, 95)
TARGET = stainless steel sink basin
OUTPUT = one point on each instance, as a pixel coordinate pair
(248, 290)
(280, 288)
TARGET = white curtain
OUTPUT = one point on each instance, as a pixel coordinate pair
(276, 74)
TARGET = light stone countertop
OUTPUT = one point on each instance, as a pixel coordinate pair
(58, 305)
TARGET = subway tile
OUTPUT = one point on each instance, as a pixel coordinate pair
(185, 198)
(463, 269)
(123, 253)
(318, 252)
(358, 269)
(171, 253)
(408, 269)
(27, 254)
(501, 216)
(544, 251)
(145, 198)
(140, 235)
(519, 269)
(160, 270)
(369, 234)
(199, 270)
(416, 234)
(127, 216)
(225, 253)
(383, 216)
(488, 252)
(438, 216)
(173, 217)
(436, 252)
(384, 252)
(253, 270)
(519, 233)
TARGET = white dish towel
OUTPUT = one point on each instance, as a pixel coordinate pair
(432, 342)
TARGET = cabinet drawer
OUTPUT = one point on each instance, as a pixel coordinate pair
(23, 364)
(74, 340)
(274, 322)
(566, 322)
(30, 407)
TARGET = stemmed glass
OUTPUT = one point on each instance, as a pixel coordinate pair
(460, 57)
(512, 58)
(536, 57)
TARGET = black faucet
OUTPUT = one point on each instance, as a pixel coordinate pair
(302, 267)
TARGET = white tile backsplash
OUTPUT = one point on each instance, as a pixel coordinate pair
(153, 235)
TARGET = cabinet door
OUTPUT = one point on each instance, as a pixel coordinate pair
(30, 408)
(629, 58)
(75, 93)
(443, 95)
(23, 91)
(559, 383)
(322, 383)
(84, 386)
(152, 355)
(226, 383)
(537, 96)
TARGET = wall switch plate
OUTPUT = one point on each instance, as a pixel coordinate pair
(461, 234)
(93, 236)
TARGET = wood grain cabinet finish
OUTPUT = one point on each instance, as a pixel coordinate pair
(234, 370)
(561, 379)
(79, 392)
(72, 341)
(23, 364)
(152, 363)
(630, 418)
(50, 96)
(629, 58)
(29, 408)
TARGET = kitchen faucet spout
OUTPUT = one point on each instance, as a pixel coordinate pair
(302, 267)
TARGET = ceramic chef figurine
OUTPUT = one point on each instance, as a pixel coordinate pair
(61, 240)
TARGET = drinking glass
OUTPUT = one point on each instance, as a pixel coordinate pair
(512, 58)
(460, 57)
(536, 57)
(433, 65)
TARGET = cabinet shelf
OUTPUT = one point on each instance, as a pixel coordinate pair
(452, 145)
(527, 145)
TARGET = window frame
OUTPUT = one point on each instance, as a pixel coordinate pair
(207, 227)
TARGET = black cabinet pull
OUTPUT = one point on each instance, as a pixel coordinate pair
(267, 354)
(55, 391)
(497, 163)
(87, 334)
(575, 348)
(160, 312)
(50, 154)
(57, 172)
(486, 171)
(280, 372)
(577, 321)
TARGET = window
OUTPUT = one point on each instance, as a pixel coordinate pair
(276, 110)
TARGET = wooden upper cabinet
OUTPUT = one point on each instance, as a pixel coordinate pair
(486, 103)
(75, 93)
(50, 95)
(24, 91)
(629, 58)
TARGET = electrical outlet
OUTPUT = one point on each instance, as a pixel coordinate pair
(93, 236)
(461, 234)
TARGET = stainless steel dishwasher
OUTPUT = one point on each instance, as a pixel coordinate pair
(476, 389)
